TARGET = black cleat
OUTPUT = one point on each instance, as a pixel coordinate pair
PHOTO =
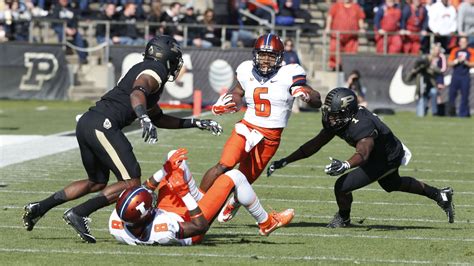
(337, 221)
(80, 224)
(445, 201)
(31, 215)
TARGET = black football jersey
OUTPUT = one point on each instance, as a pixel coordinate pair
(116, 104)
(366, 124)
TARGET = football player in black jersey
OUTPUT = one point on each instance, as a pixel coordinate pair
(102, 143)
(379, 154)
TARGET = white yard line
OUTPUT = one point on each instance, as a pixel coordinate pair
(251, 257)
(21, 148)
(253, 232)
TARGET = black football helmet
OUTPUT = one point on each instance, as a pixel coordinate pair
(339, 108)
(271, 45)
(165, 49)
(135, 206)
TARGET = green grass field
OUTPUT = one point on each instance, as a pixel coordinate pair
(395, 228)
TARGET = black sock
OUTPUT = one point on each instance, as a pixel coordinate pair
(52, 201)
(345, 214)
(431, 192)
(92, 205)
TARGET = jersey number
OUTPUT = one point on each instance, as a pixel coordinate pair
(262, 106)
(117, 225)
(160, 227)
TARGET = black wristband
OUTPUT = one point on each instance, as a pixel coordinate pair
(140, 110)
(188, 123)
(142, 89)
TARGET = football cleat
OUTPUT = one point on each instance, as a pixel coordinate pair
(275, 221)
(445, 201)
(31, 215)
(338, 221)
(80, 224)
(228, 212)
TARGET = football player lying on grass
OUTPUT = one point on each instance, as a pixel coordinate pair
(182, 214)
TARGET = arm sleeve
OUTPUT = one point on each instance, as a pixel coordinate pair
(378, 18)
(405, 15)
(298, 76)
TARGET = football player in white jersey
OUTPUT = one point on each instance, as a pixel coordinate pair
(183, 214)
(269, 90)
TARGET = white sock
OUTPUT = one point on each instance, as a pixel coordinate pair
(257, 211)
(188, 177)
(246, 196)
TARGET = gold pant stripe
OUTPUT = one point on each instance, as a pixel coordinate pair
(112, 153)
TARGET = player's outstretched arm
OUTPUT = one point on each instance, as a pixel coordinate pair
(307, 94)
(304, 151)
(198, 224)
(170, 122)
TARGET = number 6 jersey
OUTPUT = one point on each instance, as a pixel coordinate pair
(161, 232)
(269, 100)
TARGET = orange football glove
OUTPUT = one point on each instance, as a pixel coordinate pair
(175, 160)
(224, 105)
(177, 184)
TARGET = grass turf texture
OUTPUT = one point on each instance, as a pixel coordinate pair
(389, 228)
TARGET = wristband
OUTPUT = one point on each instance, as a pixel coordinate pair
(158, 176)
(196, 216)
(150, 185)
(188, 123)
(190, 202)
(142, 89)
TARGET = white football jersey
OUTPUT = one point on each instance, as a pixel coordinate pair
(269, 102)
(161, 232)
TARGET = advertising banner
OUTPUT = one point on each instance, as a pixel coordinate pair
(385, 79)
(209, 70)
(33, 72)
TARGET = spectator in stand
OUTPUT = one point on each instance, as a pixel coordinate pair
(353, 83)
(195, 34)
(263, 13)
(344, 15)
(17, 16)
(128, 33)
(413, 24)
(290, 56)
(211, 33)
(438, 59)
(294, 5)
(461, 59)
(387, 27)
(171, 17)
(222, 12)
(442, 22)
(286, 14)
(108, 14)
(64, 12)
(466, 21)
(154, 17)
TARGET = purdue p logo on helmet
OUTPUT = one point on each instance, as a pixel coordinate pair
(339, 108)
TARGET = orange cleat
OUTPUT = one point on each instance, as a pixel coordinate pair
(228, 212)
(276, 220)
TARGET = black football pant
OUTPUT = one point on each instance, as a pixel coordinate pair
(386, 175)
